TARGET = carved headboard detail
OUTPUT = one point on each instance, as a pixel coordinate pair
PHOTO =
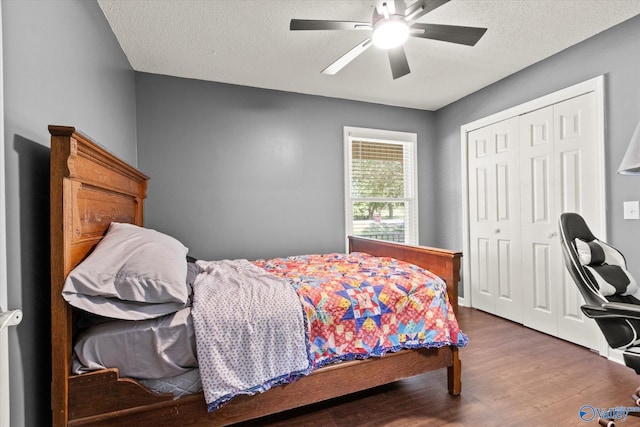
(90, 188)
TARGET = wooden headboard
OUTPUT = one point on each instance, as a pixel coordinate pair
(90, 188)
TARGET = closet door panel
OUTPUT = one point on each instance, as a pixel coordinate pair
(482, 224)
(576, 166)
(539, 253)
(494, 216)
(481, 203)
(505, 140)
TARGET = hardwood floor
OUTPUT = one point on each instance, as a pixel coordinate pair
(511, 376)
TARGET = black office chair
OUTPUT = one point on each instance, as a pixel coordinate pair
(611, 295)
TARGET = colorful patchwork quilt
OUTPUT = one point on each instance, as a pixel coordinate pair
(358, 305)
(263, 323)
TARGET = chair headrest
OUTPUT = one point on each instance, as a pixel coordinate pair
(574, 226)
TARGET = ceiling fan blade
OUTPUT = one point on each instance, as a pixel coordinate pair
(398, 61)
(341, 62)
(421, 8)
(448, 33)
(313, 24)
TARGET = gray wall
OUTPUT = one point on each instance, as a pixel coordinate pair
(269, 163)
(254, 173)
(62, 65)
(614, 53)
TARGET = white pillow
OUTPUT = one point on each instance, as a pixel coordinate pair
(589, 252)
(597, 252)
(134, 273)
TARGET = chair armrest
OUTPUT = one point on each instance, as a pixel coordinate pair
(609, 310)
(623, 307)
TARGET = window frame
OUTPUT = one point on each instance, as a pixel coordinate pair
(409, 142)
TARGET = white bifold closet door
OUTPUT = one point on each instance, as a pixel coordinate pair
(524, 172)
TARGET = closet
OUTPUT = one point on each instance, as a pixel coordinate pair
(523, 168)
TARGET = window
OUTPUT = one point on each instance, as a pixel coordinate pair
(381, 184)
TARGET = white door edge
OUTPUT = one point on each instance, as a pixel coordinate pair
(4, 337)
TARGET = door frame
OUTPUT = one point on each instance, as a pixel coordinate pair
(595, 85)
(4, 335)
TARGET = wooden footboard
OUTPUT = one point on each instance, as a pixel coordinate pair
(90, 188)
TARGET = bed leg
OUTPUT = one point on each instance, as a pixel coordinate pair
(454, 374)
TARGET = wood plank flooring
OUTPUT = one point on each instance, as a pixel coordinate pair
(511, 376)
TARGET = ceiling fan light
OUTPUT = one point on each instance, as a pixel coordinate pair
(390, 33)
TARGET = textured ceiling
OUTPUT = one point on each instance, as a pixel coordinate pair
(248, 42)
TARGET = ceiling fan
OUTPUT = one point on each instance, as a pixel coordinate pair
(392, 23)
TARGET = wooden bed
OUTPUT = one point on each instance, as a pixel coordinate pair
(90, 188)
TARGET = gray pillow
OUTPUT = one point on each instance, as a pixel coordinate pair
(134, 273)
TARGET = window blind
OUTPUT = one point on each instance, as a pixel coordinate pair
(378, 170)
